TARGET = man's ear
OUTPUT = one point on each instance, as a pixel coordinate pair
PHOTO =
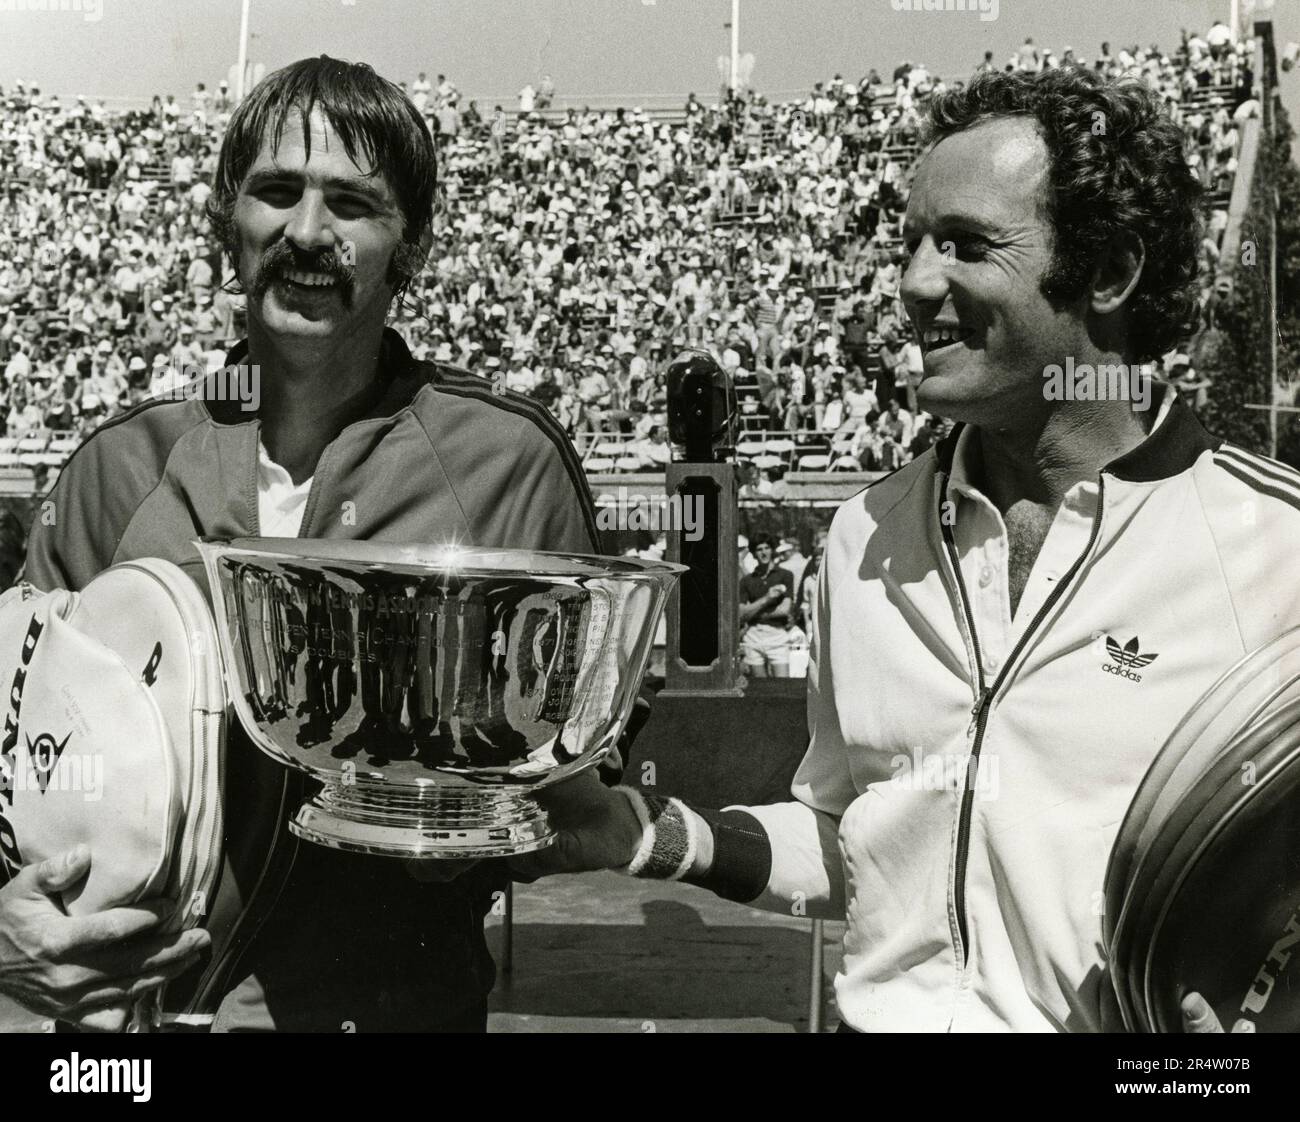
(408, 261)
(423, 249)
(221, 221)
(1117, 273)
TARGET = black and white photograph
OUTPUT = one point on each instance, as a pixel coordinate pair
(650, 516)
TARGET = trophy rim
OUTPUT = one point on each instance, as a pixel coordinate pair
(432, 559)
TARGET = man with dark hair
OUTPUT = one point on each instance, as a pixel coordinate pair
(971, 758)
(857, 336)
(323, 202)
(766, 601)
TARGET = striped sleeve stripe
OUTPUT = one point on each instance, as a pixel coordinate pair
(120, 419)
(471, 386)
(1280, 491)
(112, 423)
(1272, 469)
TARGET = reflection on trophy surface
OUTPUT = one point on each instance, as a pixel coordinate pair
(431, 689)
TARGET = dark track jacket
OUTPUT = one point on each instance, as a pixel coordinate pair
(306, 938)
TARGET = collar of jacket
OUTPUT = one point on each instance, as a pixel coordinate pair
(402, 374)
(1171, 448)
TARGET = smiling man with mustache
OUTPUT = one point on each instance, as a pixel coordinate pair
(968, 603)
(324, 202)
(319, 273)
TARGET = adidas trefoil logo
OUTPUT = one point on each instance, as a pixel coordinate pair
(1126, 659)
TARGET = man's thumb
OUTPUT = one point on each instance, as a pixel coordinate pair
(57, 873)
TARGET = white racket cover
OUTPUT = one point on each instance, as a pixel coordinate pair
(115, 735)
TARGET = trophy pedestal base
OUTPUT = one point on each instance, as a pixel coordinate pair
(423, 822)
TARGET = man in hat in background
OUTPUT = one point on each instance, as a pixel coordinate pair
(1192, 387)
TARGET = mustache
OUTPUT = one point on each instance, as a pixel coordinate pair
(283, 258)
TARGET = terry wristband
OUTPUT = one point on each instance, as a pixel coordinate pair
(742, 856)
(668, 838)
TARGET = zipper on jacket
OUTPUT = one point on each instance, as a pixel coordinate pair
(211, 987)
(314, 491)
(986, 695)
(255, 513)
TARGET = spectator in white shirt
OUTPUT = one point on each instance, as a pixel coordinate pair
(19, 365)
(859, 403)
(895, 424)
(182, 172)
(420, 90)
(519, 376)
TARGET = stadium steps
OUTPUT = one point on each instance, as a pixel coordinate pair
(659, 115)
(826, 295)
(1203, 96)
(902, 153)
(739, 215)
(157, 173)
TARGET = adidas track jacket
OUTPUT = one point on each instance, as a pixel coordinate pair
(968, 773)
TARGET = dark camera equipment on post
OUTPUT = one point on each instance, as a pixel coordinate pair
(702, 612)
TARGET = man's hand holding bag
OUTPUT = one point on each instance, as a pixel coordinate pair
(110, 805)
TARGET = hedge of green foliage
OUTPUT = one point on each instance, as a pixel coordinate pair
(1236, 349)
(1288, 268)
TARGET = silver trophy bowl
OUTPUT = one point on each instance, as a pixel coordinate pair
(432, 690)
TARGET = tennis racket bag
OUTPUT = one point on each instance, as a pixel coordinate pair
(114, 735)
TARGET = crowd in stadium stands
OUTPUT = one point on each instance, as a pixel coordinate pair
(578, 252)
